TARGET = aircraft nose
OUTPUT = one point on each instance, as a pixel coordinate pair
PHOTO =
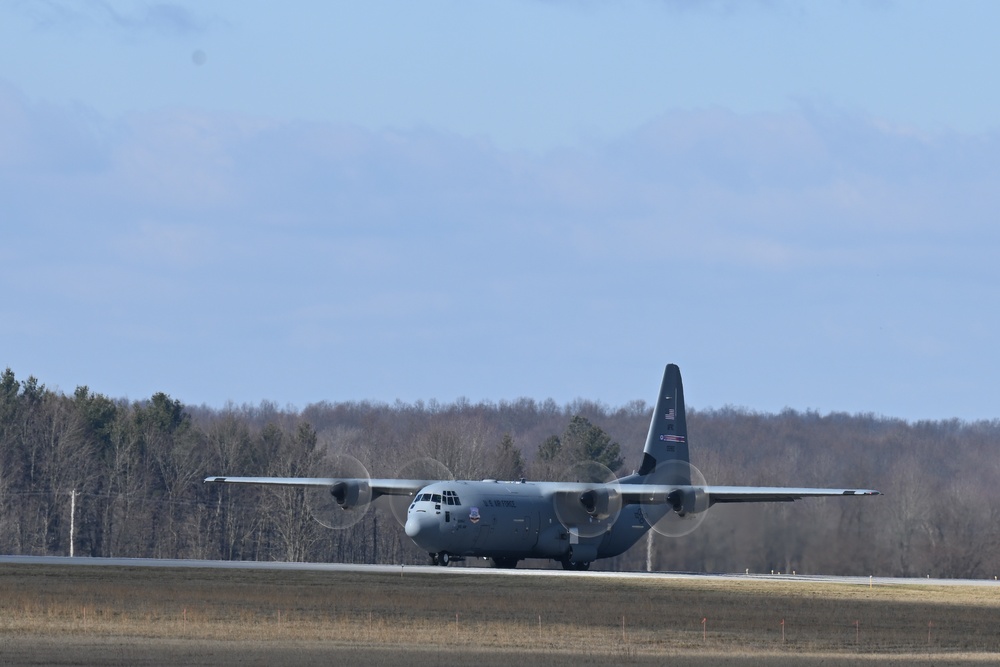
(416, 523)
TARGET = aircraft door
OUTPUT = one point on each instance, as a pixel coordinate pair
(531, 529)
(485, 530)
(525, 530)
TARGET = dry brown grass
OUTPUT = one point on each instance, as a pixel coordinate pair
(112, 615)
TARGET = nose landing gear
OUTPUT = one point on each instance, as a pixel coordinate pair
(442, 558)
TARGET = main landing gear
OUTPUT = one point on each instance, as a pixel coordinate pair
(505, 562)
(579, 566)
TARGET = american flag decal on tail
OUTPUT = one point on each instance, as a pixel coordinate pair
(670, 414)
(672, 438)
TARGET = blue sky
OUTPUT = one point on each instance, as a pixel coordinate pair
(247, 201)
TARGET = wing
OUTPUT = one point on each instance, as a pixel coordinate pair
(665, 493)
(771, 494)
(379, 487)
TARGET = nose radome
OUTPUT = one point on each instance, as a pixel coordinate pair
(412, 527)
(417, 522)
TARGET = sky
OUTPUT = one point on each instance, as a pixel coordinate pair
(238, 201)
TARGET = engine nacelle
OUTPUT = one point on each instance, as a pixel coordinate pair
(689, 500)
(350, 493)
(600, 503)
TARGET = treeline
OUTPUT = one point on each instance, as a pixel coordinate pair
(130, 475)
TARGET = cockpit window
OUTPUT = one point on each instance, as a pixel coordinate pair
(436, 498)
(452, 498)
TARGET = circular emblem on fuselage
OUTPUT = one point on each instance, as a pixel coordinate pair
(474, 514)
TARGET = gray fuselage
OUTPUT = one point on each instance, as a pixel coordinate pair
(513, 520)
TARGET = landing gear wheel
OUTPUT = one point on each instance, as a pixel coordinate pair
(443, 559)
(434, 558)
(507, 563)
(574, 565)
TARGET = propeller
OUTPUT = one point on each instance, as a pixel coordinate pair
(424, 468)
(681, 510)
(344, 503)
(589, 512)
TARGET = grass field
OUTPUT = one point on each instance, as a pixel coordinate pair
(56, 615)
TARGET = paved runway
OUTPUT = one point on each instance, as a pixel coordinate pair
(473, 571)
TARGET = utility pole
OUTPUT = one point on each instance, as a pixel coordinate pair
(72, 520)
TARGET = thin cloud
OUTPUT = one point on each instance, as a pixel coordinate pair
(718, 7)
(170, 19)
(787, 187)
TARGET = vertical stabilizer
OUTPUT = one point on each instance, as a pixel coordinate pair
(667, 439)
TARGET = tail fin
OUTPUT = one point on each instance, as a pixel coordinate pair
(667, 439)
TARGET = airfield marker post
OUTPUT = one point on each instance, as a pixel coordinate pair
(649, 551)
(782, 631)
(704, 631)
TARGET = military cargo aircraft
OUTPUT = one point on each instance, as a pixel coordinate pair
(592, 516)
